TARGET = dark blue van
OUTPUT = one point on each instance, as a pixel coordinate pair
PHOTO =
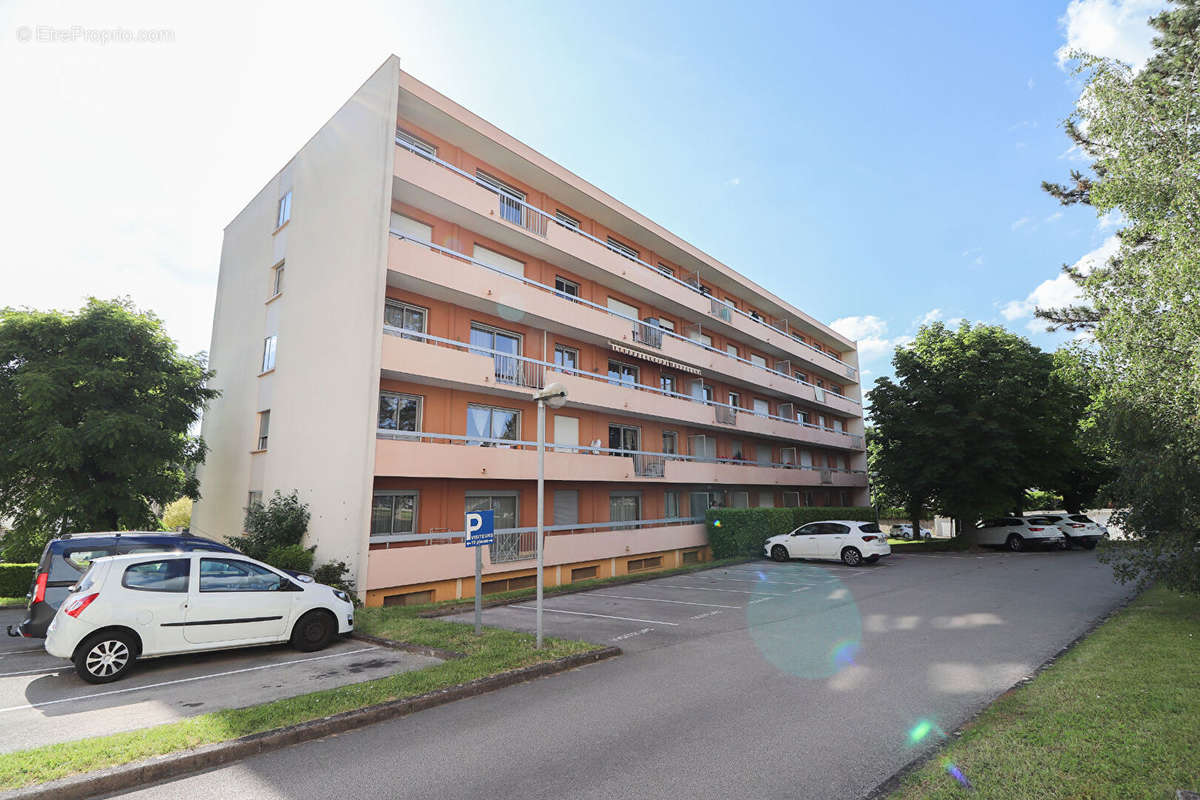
(66, 558)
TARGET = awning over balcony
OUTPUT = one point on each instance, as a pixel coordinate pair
(642, 354)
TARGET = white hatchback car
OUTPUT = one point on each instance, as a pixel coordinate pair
(904, 531)
(852, 542)
(140, 606)
(1019, 533)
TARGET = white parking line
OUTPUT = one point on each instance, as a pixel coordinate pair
(714, 589)
(183, 680)
(659, 600)
(17, 652)
(32, 671)
(750, 580)
(605, 616)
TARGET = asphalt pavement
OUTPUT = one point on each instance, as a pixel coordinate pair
(763, 680)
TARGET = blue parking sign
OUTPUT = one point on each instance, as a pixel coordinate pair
(480, 527)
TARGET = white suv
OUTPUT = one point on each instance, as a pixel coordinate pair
(853, 542)
(140, 606)
(1079, 529)
(1019, 533)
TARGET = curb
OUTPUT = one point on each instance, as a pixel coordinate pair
(408, 647)
(174, 765)
(891, 784)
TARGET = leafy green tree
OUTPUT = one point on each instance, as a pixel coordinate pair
(1140, 130)
(95, 409)
(177, 515)
(1087, 464)
(969, 423)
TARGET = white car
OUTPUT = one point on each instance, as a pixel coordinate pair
(1019, 533)
(852, 542)
(904, 531)
(1079, 529)
(141, 606)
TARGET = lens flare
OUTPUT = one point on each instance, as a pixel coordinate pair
(954, 772)
(762, 576)
(919, 731)
(844, 653)
(716, 523)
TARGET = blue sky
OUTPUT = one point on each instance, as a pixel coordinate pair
(877, 168)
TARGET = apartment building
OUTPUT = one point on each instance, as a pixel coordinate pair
(393, 297)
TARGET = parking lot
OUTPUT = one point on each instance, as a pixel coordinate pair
(43, 701)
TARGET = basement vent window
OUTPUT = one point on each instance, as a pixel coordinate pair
(583, 573)
(409, 599)
(509, 584)
(691, 557)
(643, 564)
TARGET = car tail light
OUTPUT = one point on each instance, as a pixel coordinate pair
(76, 606)
(39, 589)
(869, 538)
(1076, 525)
(1039, 530)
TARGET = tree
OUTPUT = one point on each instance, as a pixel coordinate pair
(1140, 130)
(177, 515)
(970, 422)
(1087, 463)
(95, 408)
(275, 532)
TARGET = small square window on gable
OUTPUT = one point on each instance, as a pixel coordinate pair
(285, 210)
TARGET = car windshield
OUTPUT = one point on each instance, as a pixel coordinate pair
(870, 527)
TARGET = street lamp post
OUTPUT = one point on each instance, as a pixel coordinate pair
(555, 396)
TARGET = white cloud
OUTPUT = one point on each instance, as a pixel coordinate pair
(871, 334)
(1110, 28)
(932, 315)
(1060, 290)
(1029, 83)
(1055, 217)
(1112, 219)
(978, 261)
(734, 181)
(1021, 223)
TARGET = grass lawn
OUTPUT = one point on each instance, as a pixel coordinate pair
(494, 652)
(10, 602)
(1117, 717)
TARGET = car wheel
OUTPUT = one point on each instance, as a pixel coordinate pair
(105, 657)
(1067, 545)
(927, 535)
(851, 557)
(1015, 542)
(779, 553)
(313, 631)
(871, 559)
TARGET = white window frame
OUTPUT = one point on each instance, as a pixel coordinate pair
(264, 429)
(498, 185)
(283, 213)
(622, 248)
(277, 279)
(405, 396)
(406, 306)
(562, 348)
(416, 496)
(567, 220)
(492, 408)
(270, 343)
(567, 282)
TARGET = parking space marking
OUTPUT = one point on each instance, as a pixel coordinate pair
(31, 672)
(750, 580)
(630, 635)
(18, 652)
(760, 600)
(586, 614)
(710, 613)
(660, 600)
(714, 589)
(183, 680)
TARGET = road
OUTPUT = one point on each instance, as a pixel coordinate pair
(809, 683)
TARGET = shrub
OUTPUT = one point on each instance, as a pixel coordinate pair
(742, 531)
(15, 579)
(177, 515)
(333, 573)
(291, 556)
(281, 522)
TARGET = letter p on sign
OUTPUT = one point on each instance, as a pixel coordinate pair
(479, 527)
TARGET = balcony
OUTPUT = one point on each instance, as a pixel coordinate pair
(439, 455)
(548, 237)
(434, 359)
(435, 267)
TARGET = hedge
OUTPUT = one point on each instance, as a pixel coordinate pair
(742, 531)
(15, 579)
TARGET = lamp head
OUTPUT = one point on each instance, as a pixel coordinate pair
(554, 395)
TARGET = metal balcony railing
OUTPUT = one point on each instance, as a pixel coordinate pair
(518, 212)
(649, 335)
(512, 369)
(638, 324)
(585, 527)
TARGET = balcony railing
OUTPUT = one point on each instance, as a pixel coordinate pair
(650, 462)
(514, 370)
(638, 324)
(647, 334)
(531, 532)
(535, 220)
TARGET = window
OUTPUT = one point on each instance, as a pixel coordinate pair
(506, 368)
(408, 317)
(835, 388)
(566, 219)
(268, 359)
(487, 422)
(253, 498)
(567, 358)
(622, 308)
(411, 228)
(707, 392)
(668, 383)
(620, 372)
(698, 502)
(766, 499)
(761, 406)
(277, 279)
(232, 575)
(671, 505)
(169, 575)
(665, 270)
(666, 324)
(762, 454)
(564, 286)
(285, 210)
(622, 248)
(393, 512)
(264, 428)
(508, 546)
(803, 417)
(499, 261)
(583, 573)
(702, 338)
(566, 506)
(399, 412)
(624, 506)
(740, 499)
(758, 360)
(703, 447)
(643, 564)
(735, 400)
(670, 442)
(513, 212)
(416, 142)
(732, 350)
(735, 450)
(791, 499)
(624, 437)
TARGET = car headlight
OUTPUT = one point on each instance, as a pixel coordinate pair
(340, 595)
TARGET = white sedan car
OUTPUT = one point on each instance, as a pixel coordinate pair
(146, 605)
(853, 542)
(1019, 533)
(904, 531)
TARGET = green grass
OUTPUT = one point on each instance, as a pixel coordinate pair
(494, 652)
(1117, 717)
(11, 602)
